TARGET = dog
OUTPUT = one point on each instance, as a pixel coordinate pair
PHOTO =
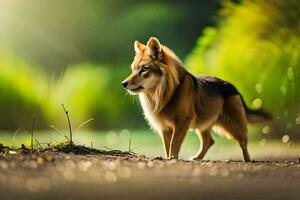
(174, 101)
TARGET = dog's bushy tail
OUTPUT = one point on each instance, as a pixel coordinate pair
(256, 116)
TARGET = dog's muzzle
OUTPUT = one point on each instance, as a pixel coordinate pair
(124, 84)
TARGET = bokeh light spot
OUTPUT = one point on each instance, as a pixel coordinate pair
(285, 138)
(257, 103)
(265, 130)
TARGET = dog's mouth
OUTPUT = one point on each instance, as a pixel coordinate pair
(137, 89)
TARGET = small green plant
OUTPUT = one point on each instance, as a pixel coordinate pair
(69, 124)
(32, 132)
(70, 138)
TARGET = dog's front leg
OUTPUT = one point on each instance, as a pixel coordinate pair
(166, 136)
(179, 132)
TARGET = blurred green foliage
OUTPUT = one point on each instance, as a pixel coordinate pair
(87, 90)
(78, 52)
(58, 33)
(22, 92)
(92, 91)
(256, 47)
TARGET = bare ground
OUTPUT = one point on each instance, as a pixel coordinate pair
(83, 173)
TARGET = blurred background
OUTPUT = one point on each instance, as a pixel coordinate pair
(77, 52)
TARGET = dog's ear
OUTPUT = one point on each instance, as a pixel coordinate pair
(138, 46)
(155, 48)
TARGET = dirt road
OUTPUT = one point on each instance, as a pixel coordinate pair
(117, 175)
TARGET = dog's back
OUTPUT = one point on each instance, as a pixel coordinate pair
(217, 87)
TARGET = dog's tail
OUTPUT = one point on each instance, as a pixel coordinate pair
(256, 116)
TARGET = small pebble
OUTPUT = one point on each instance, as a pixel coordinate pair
(12, 152)
(160, 158)
(3, 165)
(40, 160)
(50, 158)
(141, 165)
(111, 177)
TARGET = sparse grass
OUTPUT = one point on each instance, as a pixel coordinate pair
(69, 124)
(145, 142)
(32, 132)
(67, 146)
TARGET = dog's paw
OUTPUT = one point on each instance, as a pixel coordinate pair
(172, 158)
(195, 158)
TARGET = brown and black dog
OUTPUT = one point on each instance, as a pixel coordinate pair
(174, 100)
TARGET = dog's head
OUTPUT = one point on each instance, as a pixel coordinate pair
(146, 67)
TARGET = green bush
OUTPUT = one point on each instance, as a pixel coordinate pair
(87, 90)
(256, 47)
(92, 91)
(22, 92)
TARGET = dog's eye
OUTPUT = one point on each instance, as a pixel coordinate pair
(144, 69)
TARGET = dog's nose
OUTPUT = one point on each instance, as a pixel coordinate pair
(124, 84)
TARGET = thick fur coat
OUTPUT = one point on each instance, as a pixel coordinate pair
(173, 100)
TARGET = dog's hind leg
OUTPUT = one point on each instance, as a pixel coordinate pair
(207, 142)
(234, 121)
(239, 133)
(238, 130)
(243, 145)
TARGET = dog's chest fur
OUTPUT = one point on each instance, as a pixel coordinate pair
(153, 119)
